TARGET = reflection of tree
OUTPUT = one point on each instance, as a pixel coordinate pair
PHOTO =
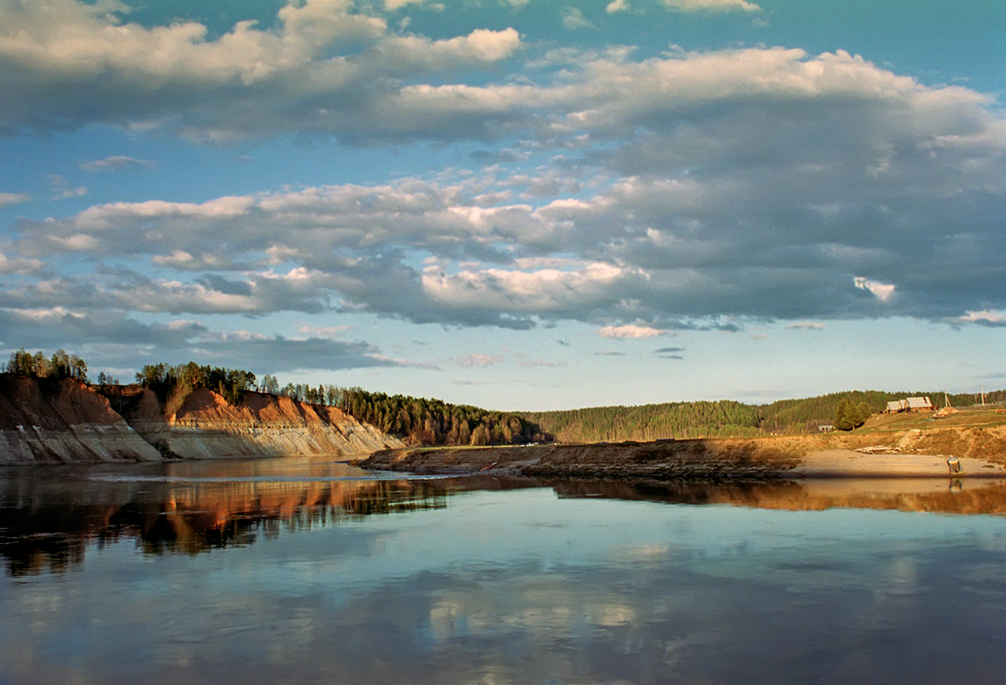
(49, 531)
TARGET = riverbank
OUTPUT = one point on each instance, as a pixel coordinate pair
(759, 459)
(52, 421)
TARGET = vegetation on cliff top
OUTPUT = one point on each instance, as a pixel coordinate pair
(418, 421)
(59, 365)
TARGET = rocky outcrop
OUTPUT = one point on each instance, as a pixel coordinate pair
(64, 421)
(45, 421)
(205, 426)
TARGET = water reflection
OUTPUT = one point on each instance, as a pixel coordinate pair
(902, 494)
(489, 580)
(47, 519)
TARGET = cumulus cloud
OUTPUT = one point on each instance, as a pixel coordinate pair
(18, 266)
(12, 198)
(705, 189)
(65, 64)
(108, 336)
(617, 6)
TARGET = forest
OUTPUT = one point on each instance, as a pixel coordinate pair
(727, 418)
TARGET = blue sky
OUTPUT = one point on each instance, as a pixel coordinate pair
(518, 204)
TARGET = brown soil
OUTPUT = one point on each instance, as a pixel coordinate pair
(918, 452)
(48, 421)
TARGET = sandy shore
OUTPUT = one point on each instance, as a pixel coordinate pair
(850, 464)
(712, 460)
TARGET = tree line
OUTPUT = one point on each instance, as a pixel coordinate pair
(166, 380)
(434, 422)
(417, 421)
(59, 365)
(844, 411)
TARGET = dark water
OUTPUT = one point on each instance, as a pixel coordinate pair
(304, 571)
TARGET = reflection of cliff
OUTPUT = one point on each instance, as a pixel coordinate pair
(924, 495)
(45, 528)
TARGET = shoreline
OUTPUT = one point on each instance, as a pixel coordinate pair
(719, 460)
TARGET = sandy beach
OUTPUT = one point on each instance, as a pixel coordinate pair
(838, 463)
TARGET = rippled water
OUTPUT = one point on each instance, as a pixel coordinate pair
(307, 571)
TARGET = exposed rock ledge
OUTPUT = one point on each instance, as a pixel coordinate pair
(51, 422)
(206, 427)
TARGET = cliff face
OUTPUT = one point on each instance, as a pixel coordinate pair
(53, 422)
(205, 426)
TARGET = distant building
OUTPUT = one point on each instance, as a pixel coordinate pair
(920, 404)
(895, 406)
(826, 428)
(910, 404)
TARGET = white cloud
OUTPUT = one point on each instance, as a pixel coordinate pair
(573, 19)
(617, 6)
(13, 198)
(633, 331)
(61, 189)
(18, 266)
(711, 5)
(986, 317)
(323, 331)
(882, 291)
(480, 360)
(86, 64)
(115, 162)
(693, 189)
(392, 5)
(538, 291)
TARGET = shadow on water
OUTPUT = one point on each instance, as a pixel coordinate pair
(49, 517)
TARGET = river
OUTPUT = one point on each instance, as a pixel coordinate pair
(307, 570)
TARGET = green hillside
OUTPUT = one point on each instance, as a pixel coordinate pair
(724, 418)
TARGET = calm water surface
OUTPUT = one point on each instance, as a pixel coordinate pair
(313, 571)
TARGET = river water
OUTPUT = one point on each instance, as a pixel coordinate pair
(313, 571)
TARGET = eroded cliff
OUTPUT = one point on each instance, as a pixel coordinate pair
(46, 421)
(63, 421)
(202, 425)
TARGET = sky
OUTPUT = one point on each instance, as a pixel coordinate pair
(517, 204)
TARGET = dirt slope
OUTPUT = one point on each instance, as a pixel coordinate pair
(53, 422)
(202, 425)
(981, 449)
